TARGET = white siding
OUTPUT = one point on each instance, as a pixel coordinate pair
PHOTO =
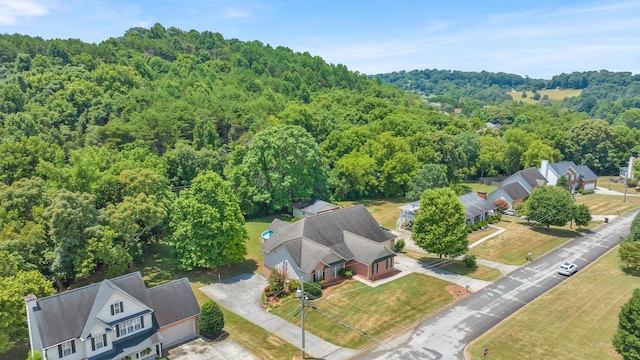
(130, 307)
(178, 332)
(590, 186)
(275, 259)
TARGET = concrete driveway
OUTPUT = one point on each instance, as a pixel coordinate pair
(198, 349)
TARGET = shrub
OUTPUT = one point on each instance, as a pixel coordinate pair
(276, 282)
(211, 319)
(313, 290)
(344, 272)
(469, 260)
(293, 285)
(400, 244)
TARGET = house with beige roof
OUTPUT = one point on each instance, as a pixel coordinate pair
(317, 247)
(517, 187)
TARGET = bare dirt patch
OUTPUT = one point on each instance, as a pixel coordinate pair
(457, 291)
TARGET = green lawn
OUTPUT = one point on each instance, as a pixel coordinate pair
(511, 247)
(478, 272)
(379, 312)
(575, 320)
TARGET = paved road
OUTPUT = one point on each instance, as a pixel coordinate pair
(445, 334)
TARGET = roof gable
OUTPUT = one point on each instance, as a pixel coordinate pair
(173, 301)
(365, 251)
(73, 308)
(515, 191)
(533, 177)
(315, 206)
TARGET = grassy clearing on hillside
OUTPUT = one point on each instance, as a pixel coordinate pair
(379, 312)
(575, 320)
(554, 95)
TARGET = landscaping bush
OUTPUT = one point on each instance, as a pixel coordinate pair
(400, 244)
(313, 290)
(293, 285)
(276, 283)
(469, 260)
(211, 319)
(346, 273)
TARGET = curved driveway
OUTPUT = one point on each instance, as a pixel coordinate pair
(445, 334)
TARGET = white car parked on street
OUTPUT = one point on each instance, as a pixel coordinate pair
(567, 269)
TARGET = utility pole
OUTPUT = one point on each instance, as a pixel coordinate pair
(300, 294)
(624, 198)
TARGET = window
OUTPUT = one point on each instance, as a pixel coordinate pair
(319, 274)
(374, 269)
(67, 348)
(129, 326)
(117, 308)
(285, 265)
(98, 342)
(389, 263)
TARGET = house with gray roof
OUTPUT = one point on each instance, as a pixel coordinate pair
(578, 176)
(476, 209)
(517, 187)
(312, 207)
(317, 247)
(113, 319)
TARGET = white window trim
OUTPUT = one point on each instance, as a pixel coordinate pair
(374, 269)
(67, 349)
(134, 323)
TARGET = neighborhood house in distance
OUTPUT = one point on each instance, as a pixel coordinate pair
(317, 247)
(514, 190)
(113, 319)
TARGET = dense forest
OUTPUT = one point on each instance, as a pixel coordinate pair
(158, 134)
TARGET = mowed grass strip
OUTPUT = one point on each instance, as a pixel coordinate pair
(376, 312)
(511, 247)
(456, 266)
(609, 204)
(575, 320)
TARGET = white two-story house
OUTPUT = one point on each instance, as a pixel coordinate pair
(114, 319)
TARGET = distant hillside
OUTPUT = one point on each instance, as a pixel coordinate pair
(603, 94)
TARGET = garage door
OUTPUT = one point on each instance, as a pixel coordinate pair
(590, 186)
(178, 332)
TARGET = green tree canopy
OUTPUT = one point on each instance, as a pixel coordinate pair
(582, 215)
(211, 319)
(208, 226)
(550, 205)
(430, 176)
(282, 165)
(626, 340)
(439, 226)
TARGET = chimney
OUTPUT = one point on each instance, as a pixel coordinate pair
(31, 302)
(544, 168)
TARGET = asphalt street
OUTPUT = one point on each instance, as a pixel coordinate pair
(445, 334)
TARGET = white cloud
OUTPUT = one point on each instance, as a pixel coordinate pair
(14, 11)
(235, 13)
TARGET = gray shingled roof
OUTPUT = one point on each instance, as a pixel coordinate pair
(533, 177)
(315, 206)
(313, 238)
(173, 302)
(72, 308)
(586, 172)
(367, 250)
(515, 191)
(475, 205)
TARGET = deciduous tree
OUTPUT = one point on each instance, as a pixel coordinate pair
(208, 226)
(626, 341)
(439, 226)
(550, 205)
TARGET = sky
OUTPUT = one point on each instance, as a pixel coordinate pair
(539, 39)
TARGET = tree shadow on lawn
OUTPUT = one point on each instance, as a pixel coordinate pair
(446, 265)
(159, 266)
(563, 233)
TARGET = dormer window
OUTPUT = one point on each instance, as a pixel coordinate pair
(117, 308)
